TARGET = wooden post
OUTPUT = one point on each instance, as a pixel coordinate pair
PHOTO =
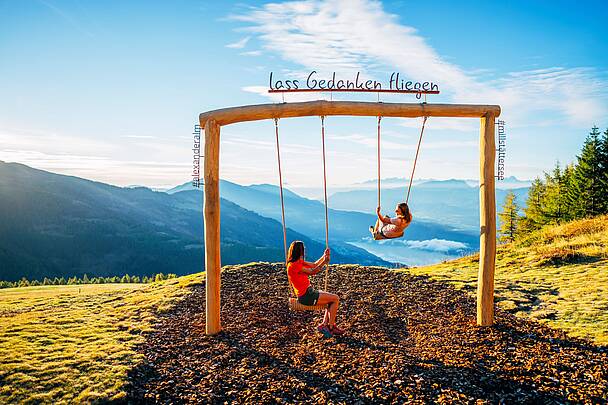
(487, 222)
(212, 227)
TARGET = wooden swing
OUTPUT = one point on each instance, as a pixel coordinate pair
(409, 188)
(294, 305)
(213, 121)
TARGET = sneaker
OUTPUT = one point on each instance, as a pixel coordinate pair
(337, 331)
(323, 329)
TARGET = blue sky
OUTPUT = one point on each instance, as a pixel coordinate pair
(110, 90)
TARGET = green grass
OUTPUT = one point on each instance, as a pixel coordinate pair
(76, 343)
(557, 275)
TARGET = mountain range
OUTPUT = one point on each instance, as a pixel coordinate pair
(308, 216)
(453, 203)
(54, 225)
(509, 183)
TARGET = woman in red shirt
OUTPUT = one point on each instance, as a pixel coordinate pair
(298, 271)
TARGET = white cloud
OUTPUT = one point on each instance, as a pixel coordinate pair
(101, 168)
(239, 44)
(436, 245)
(442, 123)
(251, 53)
(141, 162)
(140, 136)
(280, 97)
(358, 35)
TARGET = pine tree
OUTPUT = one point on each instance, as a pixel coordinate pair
(534, 216)
(85, 279)
(603, 158)
(585, 195)
(567, 184)
(509, 219)
(552, 201)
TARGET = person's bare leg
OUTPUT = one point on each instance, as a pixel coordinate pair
(332, 301)
(333, 313)
(378, 225)
(326, 317)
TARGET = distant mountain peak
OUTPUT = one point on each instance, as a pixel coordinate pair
(451, 183)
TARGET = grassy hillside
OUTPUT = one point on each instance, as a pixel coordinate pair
(90, 343)
(557, 275)
(76, 343)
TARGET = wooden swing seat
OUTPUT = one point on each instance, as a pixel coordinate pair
(294, 305)
(379, 236)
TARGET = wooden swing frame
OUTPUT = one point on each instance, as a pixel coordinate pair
(212, 121)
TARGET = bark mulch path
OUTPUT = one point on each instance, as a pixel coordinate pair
(409, 339)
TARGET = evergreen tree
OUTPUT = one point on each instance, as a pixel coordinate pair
(567, 184)
(585, 195)
(509, 219)
(603, 158)
(46, 281)
(552, 201)
(62, 281)
(125, 279)
(85, 279)
(534, 216)
(555, 203)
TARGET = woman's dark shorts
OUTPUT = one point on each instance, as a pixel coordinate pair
(310, 297)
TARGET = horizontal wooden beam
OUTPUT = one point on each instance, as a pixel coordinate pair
(233, 115)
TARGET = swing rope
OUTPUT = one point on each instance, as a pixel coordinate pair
(276, 127)
(325, 193)
(379, 119)
(407, 198)
(409, 188)
(276, 131)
